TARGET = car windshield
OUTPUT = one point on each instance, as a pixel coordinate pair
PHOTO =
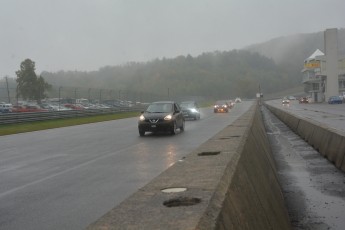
(187, 105)
(221, 103)
(160, 108)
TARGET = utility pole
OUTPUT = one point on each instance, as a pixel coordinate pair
(8, 91)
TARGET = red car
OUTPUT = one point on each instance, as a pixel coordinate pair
(27, 108)
(73, 106)
(303, 100)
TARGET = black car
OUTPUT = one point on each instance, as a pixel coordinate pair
(190, 109)
(221, 106)
(161, 116)
(303, 100)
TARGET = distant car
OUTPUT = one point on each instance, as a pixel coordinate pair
(231, 103)
(335, 100)
(221, 106)
(190, 109)
(291, 98)
(238, 100)
(285, 101)
(303, 100)
(5, 108)
(28, 108)
(74, 106)
(161, 116)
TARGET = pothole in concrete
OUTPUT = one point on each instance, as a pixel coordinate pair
(209, 153)
(181, 201)
(182, 159)
(173, 190)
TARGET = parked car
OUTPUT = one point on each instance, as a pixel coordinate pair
(161, 116)
(303, 100)
(27, 108)
(190, 109)
(5, 108)
(221, 106)
(74, 106)
(335, 100)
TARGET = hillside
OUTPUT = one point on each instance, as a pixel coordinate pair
(290, 52)
(275, 65)
(213, 75)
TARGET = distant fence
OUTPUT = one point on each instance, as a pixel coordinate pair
(9, 94)
(12, 118)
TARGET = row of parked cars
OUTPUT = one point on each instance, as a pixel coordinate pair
(45, 107)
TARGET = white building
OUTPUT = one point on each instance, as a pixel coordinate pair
(324, 74)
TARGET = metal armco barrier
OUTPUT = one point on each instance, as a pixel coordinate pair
(13, 118)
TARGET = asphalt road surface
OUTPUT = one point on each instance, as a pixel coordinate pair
(67, 178)
(332, 115)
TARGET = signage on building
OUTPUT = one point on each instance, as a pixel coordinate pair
(312, 65)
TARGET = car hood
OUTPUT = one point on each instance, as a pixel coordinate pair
(189, 108)
(155, 115)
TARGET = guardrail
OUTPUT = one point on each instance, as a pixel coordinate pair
(12, 118)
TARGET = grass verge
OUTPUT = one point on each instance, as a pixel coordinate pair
(51, 124)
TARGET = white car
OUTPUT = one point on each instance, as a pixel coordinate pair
(5, 108)
(238, 100)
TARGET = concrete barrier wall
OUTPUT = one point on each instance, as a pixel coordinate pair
(329, 142)
(229, 182)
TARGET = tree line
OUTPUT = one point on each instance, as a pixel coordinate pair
(217, 74)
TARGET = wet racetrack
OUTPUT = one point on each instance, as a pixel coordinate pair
(67, 178)
(313, 188)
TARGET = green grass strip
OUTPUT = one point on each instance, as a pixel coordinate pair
(58, 123)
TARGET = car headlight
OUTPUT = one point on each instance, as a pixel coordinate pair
(142, 118)
(193, 110)
(216, 106)
(168, 117)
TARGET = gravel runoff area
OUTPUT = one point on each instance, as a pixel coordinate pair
(313, 188)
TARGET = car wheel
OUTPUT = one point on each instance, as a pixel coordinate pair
(182, 126)
(173, 129)
(141, 133)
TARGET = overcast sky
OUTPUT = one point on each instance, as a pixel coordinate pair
(85, 35)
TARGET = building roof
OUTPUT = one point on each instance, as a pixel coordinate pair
(315, 54)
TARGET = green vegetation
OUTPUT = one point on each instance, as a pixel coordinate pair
(216, 75)
(41, 125)
(29, 85)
